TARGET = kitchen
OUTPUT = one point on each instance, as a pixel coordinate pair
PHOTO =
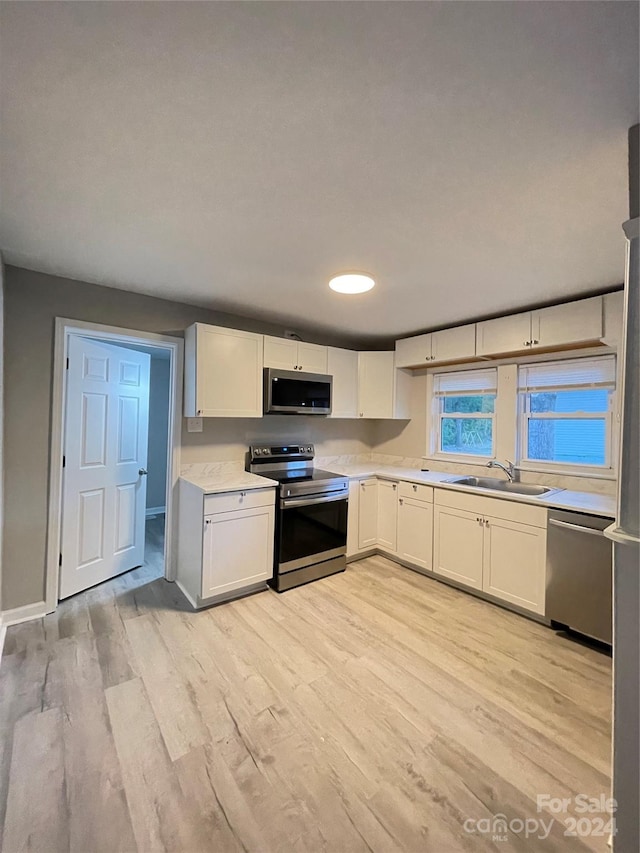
(387, 624)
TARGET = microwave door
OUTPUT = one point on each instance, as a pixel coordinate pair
(294, 393)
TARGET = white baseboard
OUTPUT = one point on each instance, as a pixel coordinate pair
(23, 614)
(155, 510)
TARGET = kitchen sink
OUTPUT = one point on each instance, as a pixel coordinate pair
(497, 485)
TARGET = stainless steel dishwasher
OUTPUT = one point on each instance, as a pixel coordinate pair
(579, 574)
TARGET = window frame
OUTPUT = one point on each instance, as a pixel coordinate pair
(438, 415)
(525, 415)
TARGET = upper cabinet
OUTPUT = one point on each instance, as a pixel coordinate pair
(223, 373)
(613, 318)
(557, 327)
(504, 335)
(573, 323)
(342, 364)
(286, 354)
(383, 391)
(447, 345)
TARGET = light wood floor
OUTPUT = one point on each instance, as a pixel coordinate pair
(376, 710)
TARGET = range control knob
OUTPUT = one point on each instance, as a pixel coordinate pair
(265, 450)
(257, 451)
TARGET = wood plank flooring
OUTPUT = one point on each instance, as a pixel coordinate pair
(376, 710)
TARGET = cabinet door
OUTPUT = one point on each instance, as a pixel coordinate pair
(454, 344)
(415, 532)
(515, 563)
(280, 352)
(572, 323)
(368, 514)
(375, 384)
(226, 366)
(413, 352)
(352, 518)
(342, 364)
(237, 550)
(457, 545)
(503, 335)
(387, 514)
(613, 318)
(312, 358)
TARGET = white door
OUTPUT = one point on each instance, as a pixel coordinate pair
(342, 364)
(105, 449)
(375, 384)
(515, 563)
(237, 550)
(458, 545)
(312, 358)
(387, 514)
(415, 532)
(505, 334)
(573, 323)
(368, 514)
(281, 353)
(414, 352)
(454, 344)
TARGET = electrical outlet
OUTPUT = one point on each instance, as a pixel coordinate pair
(194, 424)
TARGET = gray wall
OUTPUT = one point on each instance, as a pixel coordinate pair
(159, 391)
(32, 302)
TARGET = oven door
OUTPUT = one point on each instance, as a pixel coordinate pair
(311, 530)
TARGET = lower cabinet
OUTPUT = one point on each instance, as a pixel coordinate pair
(415, 525)
(495, 546)
(387, 515)
(368, 514)
(458, 539)
(225, 542)
(515, 563)
(237, 550)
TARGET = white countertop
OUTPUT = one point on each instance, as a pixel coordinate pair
(587, 502)
(225, 480)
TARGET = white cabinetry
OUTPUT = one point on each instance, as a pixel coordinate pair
(572, 323)
(457, 545)
(223, 373)
(387, 515)
(368, 514)
(415, 525)
(342, 364)
(286, 354)
(503, 335)
(556, 327)
(225, 543)
(447, 345)
(383, 391)
(514, 562)
(495, 546)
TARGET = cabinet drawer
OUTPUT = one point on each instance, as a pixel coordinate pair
(493, 507)
(417, 491)
(230, 501)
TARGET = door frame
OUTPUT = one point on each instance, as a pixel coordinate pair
(64, 329)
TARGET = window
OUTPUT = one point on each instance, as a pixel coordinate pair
(465, 403)
(566, 413)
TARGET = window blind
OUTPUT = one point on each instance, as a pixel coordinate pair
(466, 382)
(599, 372)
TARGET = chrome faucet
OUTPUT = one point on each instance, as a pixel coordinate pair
(509, 469)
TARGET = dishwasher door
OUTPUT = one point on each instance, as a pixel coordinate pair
(579, 573)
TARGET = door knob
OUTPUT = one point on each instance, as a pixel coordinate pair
(142, 472)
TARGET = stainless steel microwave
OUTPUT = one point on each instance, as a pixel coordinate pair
(290, 392)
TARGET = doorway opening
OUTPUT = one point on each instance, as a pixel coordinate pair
(115, 447)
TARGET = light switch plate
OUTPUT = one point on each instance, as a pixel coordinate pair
(194, 424)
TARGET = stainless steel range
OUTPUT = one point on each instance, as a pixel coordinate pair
(311, 514)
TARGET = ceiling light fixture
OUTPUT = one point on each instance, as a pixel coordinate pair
(352, 282)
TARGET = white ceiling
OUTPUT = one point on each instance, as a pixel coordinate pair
(471, 155)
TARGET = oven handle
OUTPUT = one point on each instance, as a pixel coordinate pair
(289, 503)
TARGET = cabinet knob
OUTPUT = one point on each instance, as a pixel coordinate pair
(395, 486)
(361, 414)
(415, 488)
(478, 519)
(526, 343)
(401, 501)
(534, 342)
(142, 472)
